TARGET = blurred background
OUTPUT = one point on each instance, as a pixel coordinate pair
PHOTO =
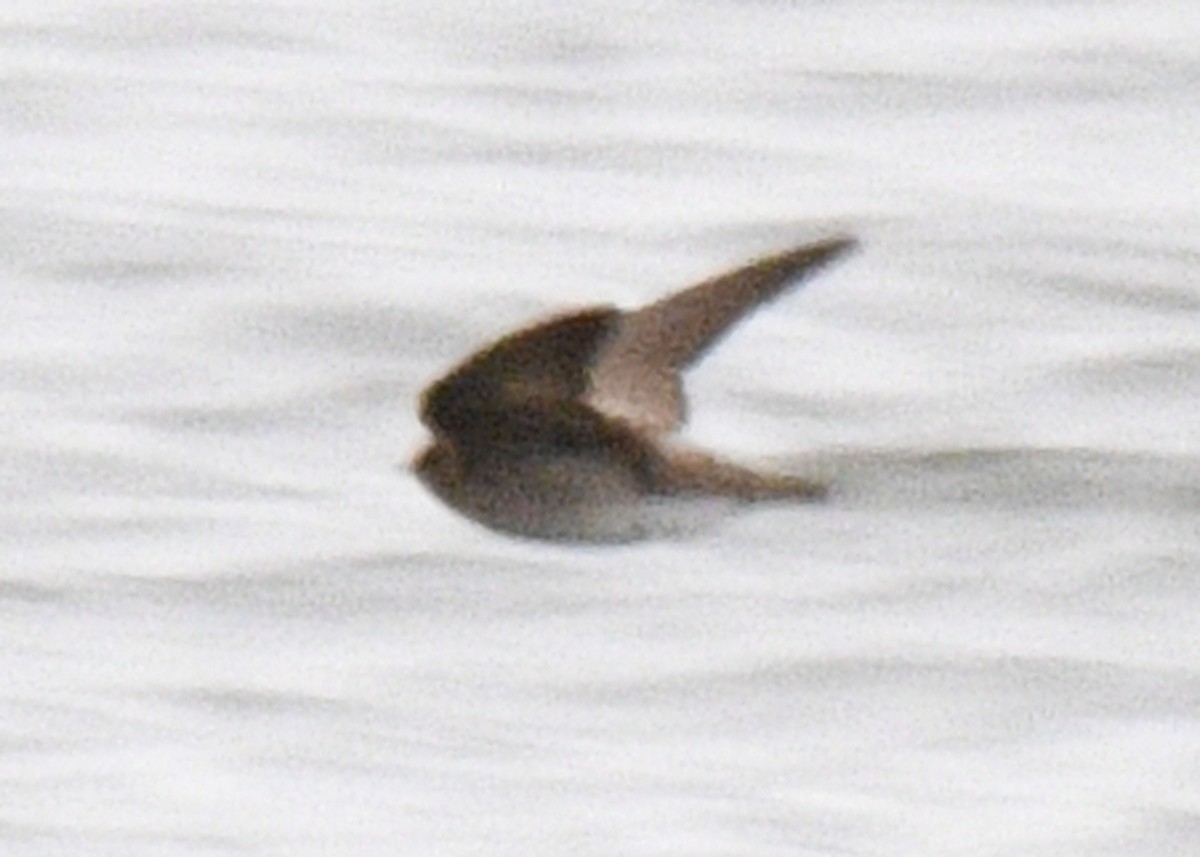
(236, 240)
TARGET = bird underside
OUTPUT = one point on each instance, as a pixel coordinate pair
(596, 497)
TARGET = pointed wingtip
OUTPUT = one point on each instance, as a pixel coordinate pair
(841, 243)
(771, 274)
(819, 253)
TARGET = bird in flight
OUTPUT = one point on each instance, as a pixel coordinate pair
(566, 430)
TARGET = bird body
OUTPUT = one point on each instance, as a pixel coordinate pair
(566, 430)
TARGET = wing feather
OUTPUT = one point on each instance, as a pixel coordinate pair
(637, 376)
(546, 363)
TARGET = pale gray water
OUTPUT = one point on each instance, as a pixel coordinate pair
(237, 239)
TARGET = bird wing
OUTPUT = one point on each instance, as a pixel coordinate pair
(637, 373)
(546, 363)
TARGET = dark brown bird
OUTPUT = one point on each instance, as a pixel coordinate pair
(563, 430)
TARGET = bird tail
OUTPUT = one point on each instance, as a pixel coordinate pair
(690, 472)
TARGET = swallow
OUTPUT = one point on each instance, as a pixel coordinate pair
(567, 430)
